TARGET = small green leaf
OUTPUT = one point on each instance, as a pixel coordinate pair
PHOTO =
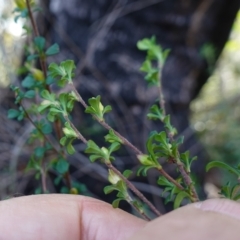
(29, 94)
(143, 170)
(58, 179)
(21, 116)
(224, 166)
(63, 140)
(52, 50)
(113, 178)
(33, 164)
(162, 181)
(40, 43)
(179, 198)
(180, 140)
(69, 66)
(145, 160)
(116, 202)
(49, 80)
(146, 43)
(187, 160)
(48, 96)
(92, 147)
(107, 109)
(70, 149)
(12, 113)
(56, 70)
(155, 113)
(51, 117)
(64, 71)
(39, 152)
(161, 137)
(114, 147)
(93, 158)
(47, 128)
(109, 189)
(112, 137)
(152, 77)
(96, 108)
(69, 131)
(168, 126)
(28, 82)
(44, 105)
(127, 173)
(32, 57)
(146, 66)
(62, 166)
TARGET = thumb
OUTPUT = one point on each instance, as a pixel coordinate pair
(211, 219)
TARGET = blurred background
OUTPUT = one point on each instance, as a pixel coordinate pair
(200, 80)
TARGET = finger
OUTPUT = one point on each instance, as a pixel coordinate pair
(64, 217)
(212, 219)
(223, 206)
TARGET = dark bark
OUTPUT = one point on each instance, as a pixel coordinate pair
(101, 37)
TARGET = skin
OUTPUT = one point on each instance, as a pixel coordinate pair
(82, 218)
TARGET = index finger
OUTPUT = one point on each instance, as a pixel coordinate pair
(64, 217)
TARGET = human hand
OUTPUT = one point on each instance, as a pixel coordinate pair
(209, 220)
(76, 217)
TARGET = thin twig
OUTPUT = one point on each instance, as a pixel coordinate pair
(36, 33)
(66, 175)
(34, 25)
(188, 181)
(42, 60)
(110, 166)
(79, 135)
(134, 189)
(170, 179)
(161, 100)
(130, 201)
(32, 122)
(105, 125)
(43, 180)
(124, 140)
(186, 176)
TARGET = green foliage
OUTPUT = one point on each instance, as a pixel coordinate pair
(231, 192)
(63, 72)
(119, 185)
(96, 108)
(62, 105)
(18, 114)
(62, 166)
(187, 160)
(233, 170)
(168, 126)
(155, 113)
(180, 197)
(21, 13)
(169, 188)
(70, 136)
(112, 137)
(52, 114)
(154, 53)
(101, 153)
(52, 50)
